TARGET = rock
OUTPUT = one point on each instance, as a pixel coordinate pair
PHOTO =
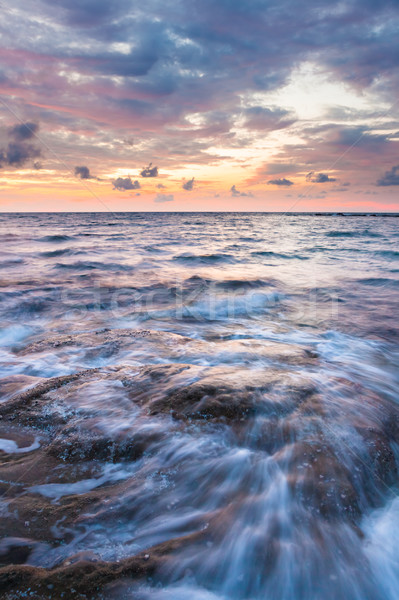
(319, 480)
(147, 344)
(191, 392)
(331, 454)
(15, 550)
(184, 391)
(87, 578)
(11, 385)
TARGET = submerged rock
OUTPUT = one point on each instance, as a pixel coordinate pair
(203, 448)
(184, 391)
(145, 345)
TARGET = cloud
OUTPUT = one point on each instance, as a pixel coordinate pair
(18, 152)
(161, 186)
(164, 198)
(123, 184)
(390, 177)
(361, 137)
(181, 82)
(278, 168)
(283, 182)
(267, 119)
(86, 13)
(319, 177)
(149, 171)
(83, 172)
(262, 174)
(188, 185)
(235, 192)
(23, 131)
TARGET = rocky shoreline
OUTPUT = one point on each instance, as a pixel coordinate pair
(65, 469)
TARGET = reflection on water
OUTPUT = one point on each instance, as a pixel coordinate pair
(214, 394)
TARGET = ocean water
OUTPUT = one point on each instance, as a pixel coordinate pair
(219, 391)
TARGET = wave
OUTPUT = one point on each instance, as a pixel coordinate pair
(380, 282)
(91, 265)
(153, 249)
(388, 253)
(237, 284)
(339, 234)
(247, 306)
(11, 263)
(204, 258)
(373, 234)
(349, 234)
(56, 238)
(8, 237)
(279, 255)
(52, 253)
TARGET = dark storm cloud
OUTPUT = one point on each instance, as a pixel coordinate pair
(281, 182)
(123, 184)
(390, 177)
(188, 185)
(319, 178)
(252, 44)
(149, 171)
(23, 131)
(134, 64)
(18, 151)
(18, 154)
(83, 172)
(236, 193)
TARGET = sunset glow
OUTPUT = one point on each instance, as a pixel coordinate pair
(246, 98)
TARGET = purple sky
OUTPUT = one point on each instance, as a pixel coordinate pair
(191, 105)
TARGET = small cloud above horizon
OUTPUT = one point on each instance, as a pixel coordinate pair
(164, 198)
(281, 182)
(123, 184)
(313, 177)
(236, 193)
(83, 172)
(188, 185)
(149, 171)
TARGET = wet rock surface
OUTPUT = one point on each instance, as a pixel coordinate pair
(149, 344)
(136, 473)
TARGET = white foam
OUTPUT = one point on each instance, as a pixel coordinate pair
(179, 592)
(111, 474)
(13, 334)
(11, 447)
(382, 548)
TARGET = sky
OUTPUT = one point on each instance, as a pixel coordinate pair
(191, 105)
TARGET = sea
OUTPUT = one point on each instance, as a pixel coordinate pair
(200, 405)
